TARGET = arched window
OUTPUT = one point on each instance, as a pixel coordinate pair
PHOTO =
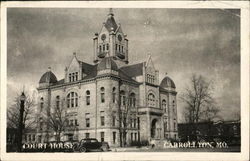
(173, 106)
(57, 102)
(114, 94)
(72, 100)
(102, 94)
(123, 98)
(165, 121)
(164, 105)
(132, 100)
(103, 47)
(41, 104)
(100, 48)
(151, 100)
(40, 124)
(87, 97)
(107, 47)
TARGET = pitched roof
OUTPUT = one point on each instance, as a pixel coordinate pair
(110, 24)
(60, 82)
(133, 70)
(92, 73)
(124, 76)
(86, 68)
(107, 63)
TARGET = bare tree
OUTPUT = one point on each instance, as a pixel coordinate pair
(200, 104)
(125, 105)
(57, 121)
(13, 114)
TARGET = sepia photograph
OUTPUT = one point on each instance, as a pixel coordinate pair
(114, 80)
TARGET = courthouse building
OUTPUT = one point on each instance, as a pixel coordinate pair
(94, 96)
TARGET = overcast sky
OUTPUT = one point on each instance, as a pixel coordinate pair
(180, 41)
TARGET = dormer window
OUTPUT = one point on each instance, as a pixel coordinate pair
(150, 78)
(70, 77)
(73, 77)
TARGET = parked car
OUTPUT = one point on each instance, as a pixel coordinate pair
(90, 144)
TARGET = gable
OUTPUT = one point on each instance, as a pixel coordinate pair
(103, 31)
(74, 66)
(150, 66)
(119, 30)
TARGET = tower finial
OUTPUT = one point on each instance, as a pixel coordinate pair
(111, 12)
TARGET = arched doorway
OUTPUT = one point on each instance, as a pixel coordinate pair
(153, 128)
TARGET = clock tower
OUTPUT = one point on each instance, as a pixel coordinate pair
(111, 42)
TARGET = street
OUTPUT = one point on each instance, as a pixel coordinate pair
(146, 149)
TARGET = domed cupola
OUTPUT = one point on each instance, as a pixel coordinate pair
(167, 83)
(107, 63)
(47, 78)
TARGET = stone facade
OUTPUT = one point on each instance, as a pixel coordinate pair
(95, 98)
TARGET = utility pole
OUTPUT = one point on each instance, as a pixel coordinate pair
(21, 126)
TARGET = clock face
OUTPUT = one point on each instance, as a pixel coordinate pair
(119, 37)
(103, 37)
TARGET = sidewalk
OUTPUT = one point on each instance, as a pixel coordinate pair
(124, 149)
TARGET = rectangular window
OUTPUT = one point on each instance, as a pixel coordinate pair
(119, 48)
(123, 100)
(41, 125)
(122, 48)
(76, 122)
(87, 122)
(68, 103)
(69, 77)
(57, 104)
(33, 137)
(138, 122)
(39, 138)
(102, 136)
(71, 122)
(116, 46)
(113, 97)
(139, 136)
(102, 120)
(131, 123)
(135, 136)
(76, 101)
(131, 136)
(107, 47)
(87, 100)
(73, 77)
(114, 137)
(76, 76)
(113, 121)
(29, 138)
(86, 135)
(100, 48)
(72, 102)
(134, 123)
(102, 98)
(103, 48)
(41, 106)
